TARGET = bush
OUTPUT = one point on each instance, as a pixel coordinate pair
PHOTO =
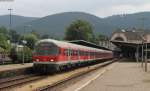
(17, 57)
(27, 55)
(13, 55)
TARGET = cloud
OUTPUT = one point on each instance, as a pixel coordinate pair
(101, 8)
(122, 9)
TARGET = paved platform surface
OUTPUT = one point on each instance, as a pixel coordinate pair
(124, 76)
(14, 66)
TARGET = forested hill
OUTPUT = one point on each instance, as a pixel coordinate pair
(137, 20)
(16, 20)
(55, 25)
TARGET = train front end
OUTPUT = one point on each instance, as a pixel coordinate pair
(45, 57)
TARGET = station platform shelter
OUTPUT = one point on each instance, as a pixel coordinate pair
(134, 44)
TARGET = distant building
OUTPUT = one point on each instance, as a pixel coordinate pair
(18, 47)
(131, 36)
(4, 56)
(131, 42)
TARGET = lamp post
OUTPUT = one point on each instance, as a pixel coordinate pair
(24, 43)
(10, 21)
(146, 58)
(10, 18)
(23, 53)
(142, 53)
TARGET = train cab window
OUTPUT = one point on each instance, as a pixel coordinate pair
(46, 49)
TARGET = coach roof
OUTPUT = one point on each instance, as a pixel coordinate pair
(67, 44)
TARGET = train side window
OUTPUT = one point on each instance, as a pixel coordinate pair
(69, 50)
(66, 52)
(72, 52)
(79, 52)
(82, 53)
(63, 52)
(75, 52)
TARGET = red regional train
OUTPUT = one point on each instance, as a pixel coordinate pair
(52, 55)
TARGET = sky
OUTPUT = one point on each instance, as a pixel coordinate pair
(100, 8)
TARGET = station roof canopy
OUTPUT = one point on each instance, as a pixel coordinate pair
(89, 44)
(123, 43)
(130, 38)
(129, 44)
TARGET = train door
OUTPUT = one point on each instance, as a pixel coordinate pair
(78, 54)
(69, 54)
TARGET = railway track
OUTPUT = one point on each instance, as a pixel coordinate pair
(13, 82)
(7, 83)
(48, 87)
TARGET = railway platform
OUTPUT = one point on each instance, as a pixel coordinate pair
(124, 76)
(15, 70)
(121, 76)
(14, 66)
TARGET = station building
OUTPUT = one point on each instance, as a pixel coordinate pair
(132, 43)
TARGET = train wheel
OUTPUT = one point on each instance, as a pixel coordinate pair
(62, 68)
(68, 66)
(57, 68)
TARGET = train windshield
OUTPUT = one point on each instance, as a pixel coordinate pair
(46, 49)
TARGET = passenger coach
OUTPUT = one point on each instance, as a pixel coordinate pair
(52, 55)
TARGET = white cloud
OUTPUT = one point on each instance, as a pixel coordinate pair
(122, 9)
(100, 8)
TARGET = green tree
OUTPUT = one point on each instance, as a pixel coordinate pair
(13, 55)
(79, 30)
(17, 56)
(27, 55)
(35, 33)
(102, 37)
(31, 40)
(14, 36)
(3, 30)
(4, 39)
(4, 42)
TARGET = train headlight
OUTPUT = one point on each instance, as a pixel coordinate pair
(51, 60)
(37, 60)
